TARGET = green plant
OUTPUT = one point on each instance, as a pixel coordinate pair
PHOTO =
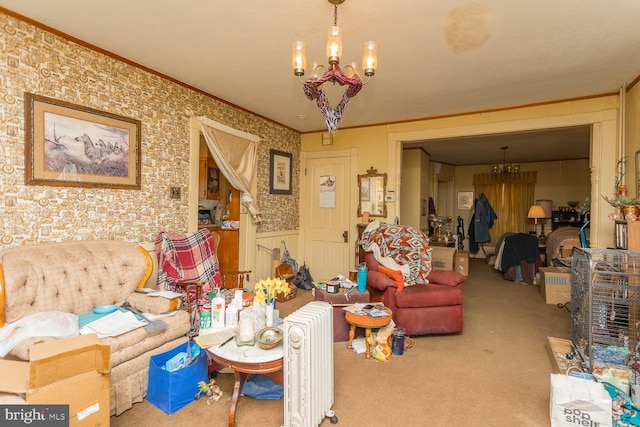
(622, 201)
(585, 206)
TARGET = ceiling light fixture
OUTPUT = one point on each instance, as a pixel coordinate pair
(333, 73)
(504, 167)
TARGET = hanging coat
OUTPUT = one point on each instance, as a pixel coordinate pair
(482, 220)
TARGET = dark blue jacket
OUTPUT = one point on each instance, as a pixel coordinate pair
(482, 220)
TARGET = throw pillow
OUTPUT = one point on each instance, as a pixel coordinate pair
(394, 275)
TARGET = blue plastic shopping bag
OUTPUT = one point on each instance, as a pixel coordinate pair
(173, 390)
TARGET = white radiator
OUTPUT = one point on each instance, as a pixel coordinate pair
(308, 365)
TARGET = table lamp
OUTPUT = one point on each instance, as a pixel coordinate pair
(547, 207)
(535, 212)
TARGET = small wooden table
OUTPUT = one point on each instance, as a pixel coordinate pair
(366, 322)
(244, 361)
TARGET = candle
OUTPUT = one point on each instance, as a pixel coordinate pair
(245, 329)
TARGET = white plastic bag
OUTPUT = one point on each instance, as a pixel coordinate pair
(45, 324)
(577, 401)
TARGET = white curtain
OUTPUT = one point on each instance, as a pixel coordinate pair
(235, 153)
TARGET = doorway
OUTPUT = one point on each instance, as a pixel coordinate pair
(603, 149)
(241, 258)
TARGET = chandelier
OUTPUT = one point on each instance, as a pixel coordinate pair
(505, 167)
(333, 73)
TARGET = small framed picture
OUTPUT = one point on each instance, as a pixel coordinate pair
(279, 172)
(465, 200)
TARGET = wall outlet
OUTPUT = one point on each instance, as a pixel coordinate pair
(174, 192)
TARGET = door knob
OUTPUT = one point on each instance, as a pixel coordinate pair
(345, 236)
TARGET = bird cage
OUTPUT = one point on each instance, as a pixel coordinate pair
(605, 306)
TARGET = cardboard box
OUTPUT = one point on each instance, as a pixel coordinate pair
(73, 371)
(442, 257)
(555, 284)
(558, 348)
(462, 262)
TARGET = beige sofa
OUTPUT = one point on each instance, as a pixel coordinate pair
(74, 277)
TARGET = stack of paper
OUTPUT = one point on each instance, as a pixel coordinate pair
(114, 324)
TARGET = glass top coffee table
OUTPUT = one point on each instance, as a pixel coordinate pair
(244, 361)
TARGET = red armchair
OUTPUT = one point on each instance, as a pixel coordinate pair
(422, 309)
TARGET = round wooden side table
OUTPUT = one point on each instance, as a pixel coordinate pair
(247, 360)
(366, 322)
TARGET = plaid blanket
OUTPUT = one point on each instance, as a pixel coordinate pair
(188, 258)
(399, 247)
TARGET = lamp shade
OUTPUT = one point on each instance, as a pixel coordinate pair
(370, 58)
(536, 212)
(334, 44)
(546, 206)
(299, 57)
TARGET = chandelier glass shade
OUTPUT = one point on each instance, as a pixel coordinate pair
(348, 77)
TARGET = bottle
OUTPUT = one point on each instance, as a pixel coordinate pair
(362, 277)
(231, 316)
(205, 316)
(397, 346)
(237, 299)
(217, 312)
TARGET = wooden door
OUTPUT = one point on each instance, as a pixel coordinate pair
(325, 250)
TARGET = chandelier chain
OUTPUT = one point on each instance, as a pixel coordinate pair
(335, 15)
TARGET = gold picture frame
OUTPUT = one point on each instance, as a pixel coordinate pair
(76, 146)
(280, 172)
(373, 193)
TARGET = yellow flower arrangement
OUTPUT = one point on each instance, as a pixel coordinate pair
(267, 290)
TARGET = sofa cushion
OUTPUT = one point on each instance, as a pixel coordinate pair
(430, 295)
(447, 277)
(394, 275)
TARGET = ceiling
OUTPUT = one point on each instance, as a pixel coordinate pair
(436, 57)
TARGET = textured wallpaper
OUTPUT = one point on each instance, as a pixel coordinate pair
(36, 61)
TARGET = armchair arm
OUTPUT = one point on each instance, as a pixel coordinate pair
(382, 288)
(379, 281)
(446, 277)
(153, 305)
